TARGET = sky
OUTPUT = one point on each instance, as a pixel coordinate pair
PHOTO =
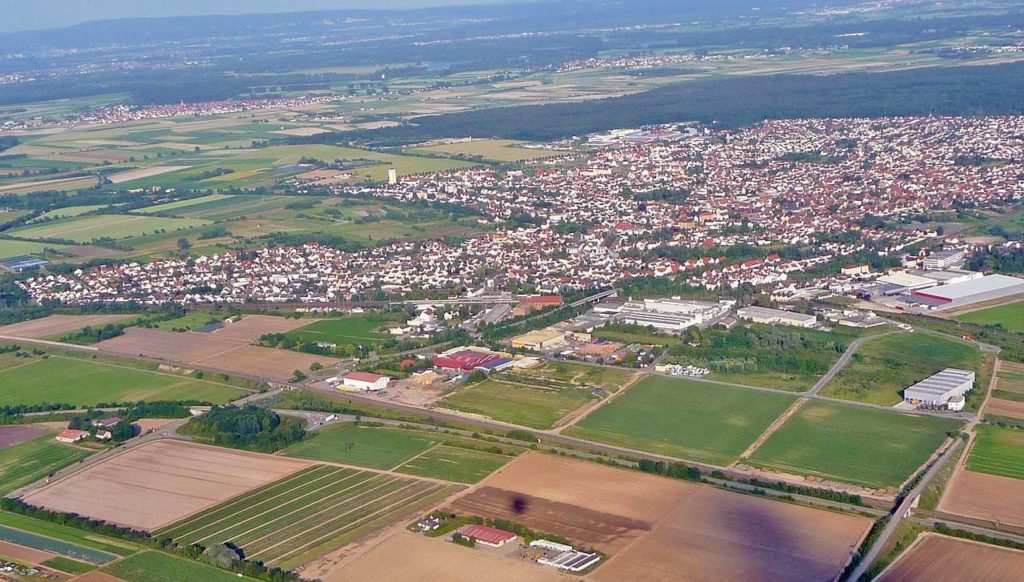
(18, 15)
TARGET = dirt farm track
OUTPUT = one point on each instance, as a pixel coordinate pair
(183, 477)
(936, 558)
(656, 528)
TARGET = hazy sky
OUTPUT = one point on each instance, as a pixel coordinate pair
(38, 14)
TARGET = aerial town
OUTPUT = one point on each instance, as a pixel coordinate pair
(573, 290)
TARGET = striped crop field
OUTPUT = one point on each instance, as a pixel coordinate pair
(304, 515)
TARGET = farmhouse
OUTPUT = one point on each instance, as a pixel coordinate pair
(488, 536)
(364, 381)
(776, 317)
(946, 388)
(72, 435)
(539, 340)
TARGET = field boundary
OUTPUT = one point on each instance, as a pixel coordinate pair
(768, 432)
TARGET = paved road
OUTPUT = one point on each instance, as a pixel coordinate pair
(842, 361)
(902, 511)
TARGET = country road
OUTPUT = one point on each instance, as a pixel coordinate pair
(842, 361)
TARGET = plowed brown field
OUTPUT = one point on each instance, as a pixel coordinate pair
(251, 327)
(161, 482)
(15, 434)
(409, 556)
(1008, 408)
(211, 350)
(657, 528)
(56, 324)
(936, 558)
(985, 497)
(23, 555)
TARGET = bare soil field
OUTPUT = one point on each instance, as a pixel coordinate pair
(1008, 408)
(121, 177)
(16, 434)
(56, 324)
(251, 327)
(985, 496)
(423, 558)
(24, 555)
(184, 477)
(937, 558)
(210, 350)
(656, 528)
(147, 424)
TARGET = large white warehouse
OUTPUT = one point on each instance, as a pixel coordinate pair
(943, 389)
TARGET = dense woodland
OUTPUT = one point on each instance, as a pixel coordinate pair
(962, 90)
(251, 428)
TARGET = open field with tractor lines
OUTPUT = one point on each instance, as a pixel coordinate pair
(185, 477)
(299, 517)
(938, 558)
(28, 462)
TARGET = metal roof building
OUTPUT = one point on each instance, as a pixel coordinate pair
(937, 390)
(968, 292)
(22, 263)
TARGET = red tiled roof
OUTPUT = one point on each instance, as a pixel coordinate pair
(363, 376)
(487, 534)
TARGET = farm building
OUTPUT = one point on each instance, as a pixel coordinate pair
(943, 389)
(564, 557)
(488, 536)
(968, 292)
(72, 435)
(365, 381)
(539, 340)
(776, 317)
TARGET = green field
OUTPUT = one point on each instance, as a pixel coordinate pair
(29, 462)
(70, 535)
(532, 406)
(454, 464)
(501, 150)
(998, 451)
(155, 566)
(882, 368)
(356, 329)
(610, 379)
(700, 421)
(1010, 317)
(188, 321)
(87, 382)
(68, 565)
(310, 513)
(67, 212)
(363, 446)
(443, 456)
(14, 248)
(186, 204)
(88, 228)
(853, 444)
